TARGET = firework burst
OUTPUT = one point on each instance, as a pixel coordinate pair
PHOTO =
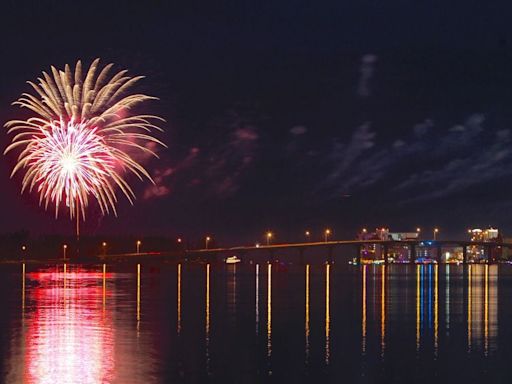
(82, 137)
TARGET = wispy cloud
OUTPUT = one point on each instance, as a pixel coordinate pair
(214, 168)
(298, 130)
(429, 163)
(366, 72)
(159, 189)
(162, 176)
(344, 155)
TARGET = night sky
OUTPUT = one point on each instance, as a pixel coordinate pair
(289, 115)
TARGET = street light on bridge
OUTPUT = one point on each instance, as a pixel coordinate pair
(307, 234)
(64, 248)
(138, 246)
(206, 241)
(104, 248)
(269, 237)
(326, 234)
(436, 231)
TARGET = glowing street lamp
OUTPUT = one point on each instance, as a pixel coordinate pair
(206, 241)
(104, 247)
(138, 246)
(308, 235)
(326, 234)
(436, 231)
(64, 248)
(269, 237)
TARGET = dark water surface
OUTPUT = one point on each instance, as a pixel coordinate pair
(252, 323)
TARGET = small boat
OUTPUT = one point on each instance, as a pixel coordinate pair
(232, 260)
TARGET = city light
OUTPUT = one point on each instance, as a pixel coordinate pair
(64, 248)
(436, 231)
(138, 246)
(327, 234)
(207, 240)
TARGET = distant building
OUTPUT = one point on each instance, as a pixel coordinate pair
(396, 253)
(477, 253)
(385, 234)
(486, 235)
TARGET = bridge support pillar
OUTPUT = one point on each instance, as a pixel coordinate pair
(464, 254)
(412, 253)
(439, 254)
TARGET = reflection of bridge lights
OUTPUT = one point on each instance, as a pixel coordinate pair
(327, 314)
(363, 315)
(68, 340)
(306, 320)
(179, 299)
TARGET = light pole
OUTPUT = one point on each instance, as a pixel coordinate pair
(326, 234)
(138, 246)
(23, 250)
(308, 235)
(104, 247)
(64, 248)
(436, 230)
(269, 237)
(206, 241)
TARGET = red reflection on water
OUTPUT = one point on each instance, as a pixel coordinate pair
(69, 337)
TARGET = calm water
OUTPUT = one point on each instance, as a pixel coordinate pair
(253, 323)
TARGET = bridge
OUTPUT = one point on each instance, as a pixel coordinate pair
(490, 249)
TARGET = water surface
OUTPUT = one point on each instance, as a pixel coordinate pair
(255, 322)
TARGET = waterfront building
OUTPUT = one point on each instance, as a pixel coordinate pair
(477, 253)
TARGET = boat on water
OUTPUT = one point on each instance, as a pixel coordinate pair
(232, 260)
